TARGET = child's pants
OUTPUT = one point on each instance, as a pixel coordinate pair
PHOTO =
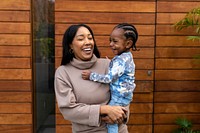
(112, 128)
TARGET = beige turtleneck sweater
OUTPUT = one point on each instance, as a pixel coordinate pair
(79, 100)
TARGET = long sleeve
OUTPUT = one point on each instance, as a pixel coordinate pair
(116, 69)
(69, 107)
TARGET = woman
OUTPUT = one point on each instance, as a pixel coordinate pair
(84, 102)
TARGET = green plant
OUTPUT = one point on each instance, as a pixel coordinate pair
(191, 19)
(46, 49)
(185, 126)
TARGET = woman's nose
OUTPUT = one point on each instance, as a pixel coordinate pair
(87, 41)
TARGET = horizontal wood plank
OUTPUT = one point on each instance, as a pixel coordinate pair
(177, 97)
(15, 97)
(15, 16)
(15, 63)
(169, 18)
(15, 4)
(170, 128)
(15, 28)
(176, 6)
(139, 128)
(109, 17)
(15, 74)
(141, 108)
(177, 75)
(63, 128)
(177, 64)
(176, 108)
(143, 98)
(15, 51)
(175, 41)
(15, 108)
(177, 86)
(171, 118)
(105, 6)
(177, 52)
(14, 85)
(170, 30)
(14, 128)
(21, 119)
(15, 39)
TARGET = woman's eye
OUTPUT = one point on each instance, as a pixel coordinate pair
(90, 38)
(80, 39)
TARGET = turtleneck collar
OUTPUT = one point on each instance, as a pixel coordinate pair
(83, 64)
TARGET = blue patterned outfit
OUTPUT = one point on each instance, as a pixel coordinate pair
(121, 78)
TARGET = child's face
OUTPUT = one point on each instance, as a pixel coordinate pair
(118, 41)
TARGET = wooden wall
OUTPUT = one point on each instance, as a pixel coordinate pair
(177, 73)
(15, 67)
(166, 74)
(102, 16)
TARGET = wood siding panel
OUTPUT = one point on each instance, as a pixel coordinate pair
(23, 119)
(15, 16)
(15, 5)
(177, 64)
(15, 63)
(176, 108)
(177, 85)
(14, 85)
(177, 75)
(107, 15)
(15, 51)
(14, 128)
(15, 108)
(16, 74)
(14, 28)
(15, 67)
(14, 39)
(175, 41)
(173, 6)
(88, 17)
(105, 6)
(177, 68)
(176, 71)
(16, 97)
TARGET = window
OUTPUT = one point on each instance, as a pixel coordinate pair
(43, 65)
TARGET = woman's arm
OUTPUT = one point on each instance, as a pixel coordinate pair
(69, 107)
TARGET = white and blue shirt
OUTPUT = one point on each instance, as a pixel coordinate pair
(121, 76)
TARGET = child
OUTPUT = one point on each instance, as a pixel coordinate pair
(121, 69)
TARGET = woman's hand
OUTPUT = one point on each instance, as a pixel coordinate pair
(115, 114)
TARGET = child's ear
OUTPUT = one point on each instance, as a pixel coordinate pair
(129, 43)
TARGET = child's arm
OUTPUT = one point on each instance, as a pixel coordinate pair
(115, 71)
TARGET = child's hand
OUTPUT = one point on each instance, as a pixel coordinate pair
(86, 74)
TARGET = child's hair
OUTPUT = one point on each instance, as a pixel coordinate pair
(129, 32)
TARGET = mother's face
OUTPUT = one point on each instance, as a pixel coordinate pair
(83, 44)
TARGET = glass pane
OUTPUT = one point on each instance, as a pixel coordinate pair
(44, 62)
